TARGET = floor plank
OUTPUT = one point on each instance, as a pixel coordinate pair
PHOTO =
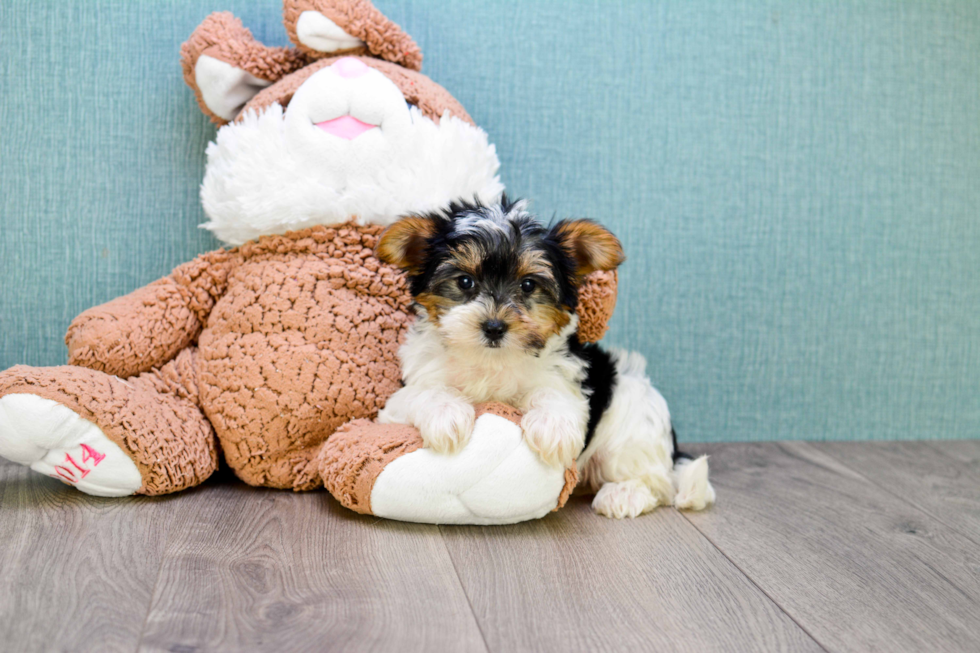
(268, 570)
(965, 451)
(929, 475)
(76, 572)
(857, 567)
(575, 581)
(868, 546)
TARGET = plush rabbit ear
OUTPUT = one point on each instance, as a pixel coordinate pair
(226, 67)
(333, 27)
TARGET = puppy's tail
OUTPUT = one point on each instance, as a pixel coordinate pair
(690, 476)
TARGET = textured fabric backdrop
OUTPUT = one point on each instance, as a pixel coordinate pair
(796, 184)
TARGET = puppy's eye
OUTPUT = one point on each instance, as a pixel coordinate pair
(528, 286)
(464, 282)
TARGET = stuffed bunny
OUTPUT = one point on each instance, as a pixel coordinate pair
(259, 353)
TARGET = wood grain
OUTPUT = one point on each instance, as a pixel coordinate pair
(928, 475)
(857, 567)
(965, 451)
(268, 570)
(575, 581)
(76, 572)
(850, 547)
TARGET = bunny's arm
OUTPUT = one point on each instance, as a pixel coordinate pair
(151, 325)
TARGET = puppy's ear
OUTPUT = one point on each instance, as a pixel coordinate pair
(591, 246)
(405, 244)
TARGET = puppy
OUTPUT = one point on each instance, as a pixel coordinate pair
(495, 295)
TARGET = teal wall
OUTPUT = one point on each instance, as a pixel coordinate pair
(797, 184)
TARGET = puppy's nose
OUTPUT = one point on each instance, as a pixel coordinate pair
(494, 330)
(350, 67)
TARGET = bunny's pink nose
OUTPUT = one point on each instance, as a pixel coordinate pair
(350, 67)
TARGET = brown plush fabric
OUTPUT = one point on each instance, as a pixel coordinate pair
(302, 336)
(571, 480)
(597, 300)
(165, 434)
(431, 99)
(148, 327)
(133, 333)
(360, 19)
(178, 377)
(509, 413)
(223, 37)
(304, 339)
(355, 455)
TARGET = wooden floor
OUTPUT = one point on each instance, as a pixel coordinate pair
(819, 546)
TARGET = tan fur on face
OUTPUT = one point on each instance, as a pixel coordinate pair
(548, 320)
(465, 261)
(531, 329)
(435, 305)
(403, 244)
(528, 328)
(462, 325)
(590, 245)
(467, 258)
(533, 263)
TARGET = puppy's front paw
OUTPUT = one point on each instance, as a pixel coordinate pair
(446, 426)
(557, 438)
(625, 499)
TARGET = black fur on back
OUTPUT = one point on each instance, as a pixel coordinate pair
(600, 380)
(677, 454)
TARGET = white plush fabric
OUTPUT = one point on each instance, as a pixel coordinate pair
(494, 479)
(279, 172)
(56, 441)
(224, 88)
(318, 32)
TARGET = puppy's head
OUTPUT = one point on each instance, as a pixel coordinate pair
(492, 278)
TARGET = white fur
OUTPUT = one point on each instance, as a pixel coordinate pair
(624, 499)
(694, 492)
(554, 423)
(278, 172)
